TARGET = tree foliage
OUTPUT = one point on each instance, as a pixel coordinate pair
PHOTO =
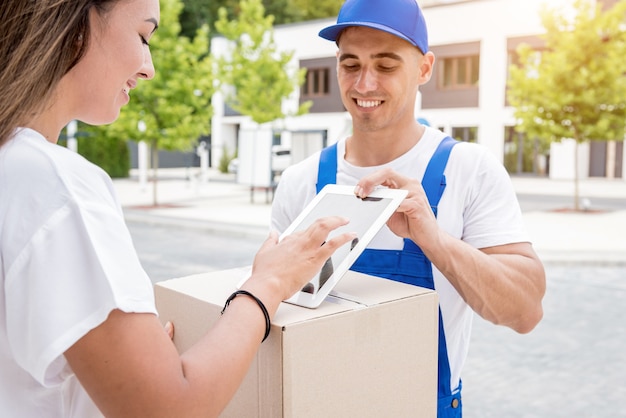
(292, 11)
(199, 12)
(576, 87)
(174, 108)
(255, 76)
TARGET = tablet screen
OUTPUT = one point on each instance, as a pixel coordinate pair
(362, 214)
(366, 217)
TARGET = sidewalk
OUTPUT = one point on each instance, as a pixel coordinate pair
(590, 237)
(219, 204)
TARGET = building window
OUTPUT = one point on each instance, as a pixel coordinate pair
(460, 72)
(465, 133)
(316, 82)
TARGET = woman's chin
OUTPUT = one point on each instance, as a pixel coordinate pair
(101, 119)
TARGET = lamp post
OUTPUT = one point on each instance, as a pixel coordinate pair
(72, 143)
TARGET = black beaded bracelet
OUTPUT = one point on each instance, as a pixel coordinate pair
(258, 301)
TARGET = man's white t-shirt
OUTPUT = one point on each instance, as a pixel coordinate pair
(66, 261)
(478, 206)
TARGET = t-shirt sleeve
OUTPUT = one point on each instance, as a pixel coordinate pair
(76, 268)
(492, 215)
(295, 190)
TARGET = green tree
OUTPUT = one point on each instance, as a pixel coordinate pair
(199, 12)
(174, 108)
(576, 88)
(302, 10)
(257, 76)
(195, 14)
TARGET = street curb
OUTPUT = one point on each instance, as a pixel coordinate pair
(236, 230)
(560, 257)
(587, 258)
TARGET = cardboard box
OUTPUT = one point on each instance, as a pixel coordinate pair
(371, 352)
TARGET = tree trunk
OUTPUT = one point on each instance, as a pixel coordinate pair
(576, 179)
(520, 153)
(155, 168)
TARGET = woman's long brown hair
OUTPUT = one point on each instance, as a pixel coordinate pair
(40, 41)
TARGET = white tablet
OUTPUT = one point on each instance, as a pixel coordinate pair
(367, 216)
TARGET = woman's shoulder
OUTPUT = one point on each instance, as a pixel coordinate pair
(34, 165)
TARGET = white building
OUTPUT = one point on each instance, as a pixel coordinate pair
(478, 36)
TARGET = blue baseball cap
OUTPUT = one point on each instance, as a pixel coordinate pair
(402, 18)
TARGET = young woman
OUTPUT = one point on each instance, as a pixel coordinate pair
(80, 337)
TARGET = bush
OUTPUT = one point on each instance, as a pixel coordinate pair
(111, 154)
(225, 160)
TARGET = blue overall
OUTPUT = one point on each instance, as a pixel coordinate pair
(409, 265)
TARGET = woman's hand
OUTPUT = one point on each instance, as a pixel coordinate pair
(289, 264)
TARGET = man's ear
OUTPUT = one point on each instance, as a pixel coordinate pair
(427, 63)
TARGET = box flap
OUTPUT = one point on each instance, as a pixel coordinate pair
(354, 291)
(370, 290)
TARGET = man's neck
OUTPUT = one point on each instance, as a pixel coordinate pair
(367, 149)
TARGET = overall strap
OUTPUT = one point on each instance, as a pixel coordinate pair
(434, 181)
(327, 169)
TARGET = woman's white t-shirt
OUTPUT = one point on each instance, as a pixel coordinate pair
(66, 261)
(478, 206)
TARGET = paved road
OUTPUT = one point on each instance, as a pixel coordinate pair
(572, 365)
(170, 251)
